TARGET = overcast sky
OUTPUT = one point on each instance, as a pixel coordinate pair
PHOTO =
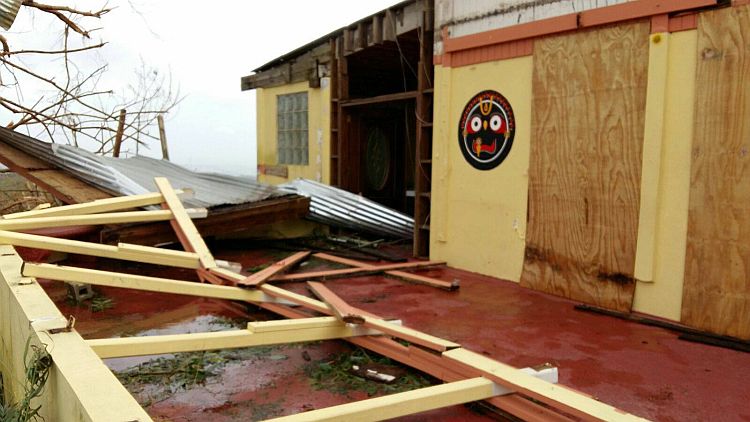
(207, 46)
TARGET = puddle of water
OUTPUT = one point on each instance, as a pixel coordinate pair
(198, 324)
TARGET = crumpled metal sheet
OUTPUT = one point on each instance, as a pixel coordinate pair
(336, 207)
(8, 12)
(132, 176)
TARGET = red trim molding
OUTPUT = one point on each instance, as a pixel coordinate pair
(516, 41)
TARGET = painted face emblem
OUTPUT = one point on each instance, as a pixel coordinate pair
(486, 130)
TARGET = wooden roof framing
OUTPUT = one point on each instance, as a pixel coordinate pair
(469, 376)
(221, 220)
(313, 60)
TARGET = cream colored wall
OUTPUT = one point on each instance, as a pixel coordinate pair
(319, 131)
(660, 263)
(478, 218)
(80, 387)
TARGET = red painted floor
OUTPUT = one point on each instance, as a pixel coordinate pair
(644, 370)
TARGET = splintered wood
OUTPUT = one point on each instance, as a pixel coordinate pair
(468, 376)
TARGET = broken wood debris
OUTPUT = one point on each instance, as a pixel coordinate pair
(468, 376)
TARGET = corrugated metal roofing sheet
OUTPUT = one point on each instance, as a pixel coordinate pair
(340, 208)
(130, 176)
(8, 12)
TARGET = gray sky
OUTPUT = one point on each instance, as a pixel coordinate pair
(207, 47)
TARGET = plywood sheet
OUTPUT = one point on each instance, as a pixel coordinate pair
(716, 293)
(589, 97)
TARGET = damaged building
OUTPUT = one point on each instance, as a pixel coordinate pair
(538, 212)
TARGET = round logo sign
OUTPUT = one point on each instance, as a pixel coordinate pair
(486, 130)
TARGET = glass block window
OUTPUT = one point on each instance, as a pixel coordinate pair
(291, 116)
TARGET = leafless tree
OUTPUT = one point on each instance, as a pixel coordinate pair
(69, 106)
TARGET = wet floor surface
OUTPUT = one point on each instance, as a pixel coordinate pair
(644, 370)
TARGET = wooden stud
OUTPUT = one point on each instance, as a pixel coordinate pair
(401, 404)
(341, 309)
(151, 284)
(263, 275)
(309, 330)
(429, 281)
(556, 396)
(95, 219)
(145, 254)
(186, 231)
(100, 205)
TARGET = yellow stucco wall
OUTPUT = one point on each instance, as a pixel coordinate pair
(662, 296)
(80, 387)
(478, 218)
(318, 130)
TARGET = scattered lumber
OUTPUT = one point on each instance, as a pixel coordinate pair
(392, 272)
(358, 271)
(341, 309)
(468, 376)
(186, 231)
(100, 205)
(265, 274)
(17, 224)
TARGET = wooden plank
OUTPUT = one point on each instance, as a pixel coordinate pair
(176, 343)
(351, 272)
(441, 368)
(576, 404)
(716, 292)
(415, 278)
(401, 404)
(122, 251)
(341, 309)
(395, 330)
(65, 187)
(387, 98)
(139, 282)
(186, 231)
(11, 156)
(265, 274)
(589, 97)
(99, 206)
(95, 219)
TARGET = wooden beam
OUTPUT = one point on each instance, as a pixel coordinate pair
(350, 272)
(390, 328)
(577, 404)
(122, 251)
(341, 309)
(95, 219)
(452, 285)
(401, 404)
(387, 98)
(100, 205)
(265, 274)
(186, 231)
(139, 282)
(311, 329)
(441, 368)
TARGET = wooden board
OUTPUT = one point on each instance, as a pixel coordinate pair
(589, 97)
(716, 293)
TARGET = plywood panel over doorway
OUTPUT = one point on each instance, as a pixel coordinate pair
(589, 97)
(716, 295)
